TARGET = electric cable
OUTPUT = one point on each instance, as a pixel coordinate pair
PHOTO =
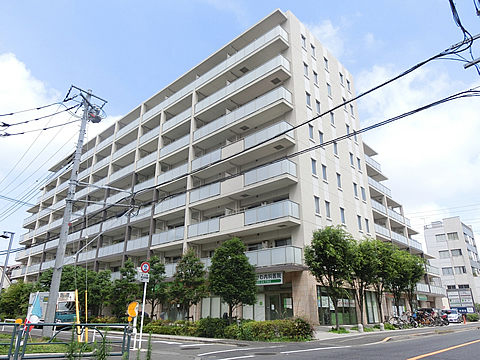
(39, 118)
(37, 108)
(42, 129)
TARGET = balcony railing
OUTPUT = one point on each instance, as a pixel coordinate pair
(171, 203)
(147, 160)
(248, 78)
(378, 206)
(111, 249)
(271, 212)
(399, 238)
(205, 192)
(267, 134)
(204, 227)
(174, 146)
(172, 174)
(144, 185)
(127, 128)
(284, 255)
(101, 163)
(105, 143)
(168, 236)
(433, 270)
(149, 135)
(373, 163)
(423, 287)
(177, 119)
(245, 110)
(89, 255)
(121, 173)
(48, 265)
(207, 159)
(415, 244)
(379, 229)
(393, 214)
(238, 56)
(379, 187)
(139, 243)
(270, 171)
(124, 150)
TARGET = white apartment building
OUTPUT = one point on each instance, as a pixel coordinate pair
(219, 153)
(453, 244)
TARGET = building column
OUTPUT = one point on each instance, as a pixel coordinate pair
(304, 293)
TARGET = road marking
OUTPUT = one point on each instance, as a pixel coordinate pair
(443, 350)
(164, 342)
(239, 357)
(194, 345)
(238, 349)
(314, 349)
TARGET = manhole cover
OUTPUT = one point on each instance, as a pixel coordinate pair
(265, 353)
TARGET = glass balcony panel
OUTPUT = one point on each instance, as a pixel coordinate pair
(266, 134)
(171, 174)
(207, 159)
(177, 119)
(149, 135)
(178, 144)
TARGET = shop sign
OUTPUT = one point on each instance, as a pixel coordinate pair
(460, 298)
(422, 297)
(275, 278)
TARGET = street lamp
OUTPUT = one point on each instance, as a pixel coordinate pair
(8, 254)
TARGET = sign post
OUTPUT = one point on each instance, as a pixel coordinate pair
(144, 277)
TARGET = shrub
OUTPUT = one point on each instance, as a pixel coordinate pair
(211, 327)
(389, 326)
(472, 317)
(339, 331)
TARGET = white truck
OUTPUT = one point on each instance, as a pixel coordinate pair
(65, 311)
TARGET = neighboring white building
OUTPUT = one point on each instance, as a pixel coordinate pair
(211, 156)
(456, 255)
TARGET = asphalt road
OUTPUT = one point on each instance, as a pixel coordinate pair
(453, 342)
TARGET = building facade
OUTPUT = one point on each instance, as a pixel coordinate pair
(453, 244)
(226, 150)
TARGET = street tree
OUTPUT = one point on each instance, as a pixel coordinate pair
(156, 287)
(329, 258)
(14, 299)
(124, 290)
(232, 277)
(415, 270)
(189, 284)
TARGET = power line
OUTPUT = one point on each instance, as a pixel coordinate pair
(40, 118)
(442, 210)
(37, 108)
(42, 129)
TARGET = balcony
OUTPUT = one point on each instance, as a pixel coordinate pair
(174, 146)
(267, 134)
(51, 244)
(121, 173)
(143, 185)
(415, 244)
(269, 37)
(244, 111)
(109, 250)
(89, 255)
(168, 236)
(271, 212)
(286, 255)
(373, 163)
(147, 160)
(383, 189)
(248, 78)
(32, 269)
(101, 163)
(48, 265)
(87, 154)
(423, 288)
(170, 204)
(438, 290)
(207, 159)
(205, 192)
(177, 119)
(432, 270)
(149, 135)
(127, 128)
(169, 175)
(105, 143)
(135, 244)
(394, 215)
(270, 171)
(379, 207)
(204, 227)
(382, 230)
(399, 238)
(124, 150)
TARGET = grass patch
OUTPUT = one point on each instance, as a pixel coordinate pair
(339, 331)
(365, 329)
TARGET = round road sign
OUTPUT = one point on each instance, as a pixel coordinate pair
(145, 267)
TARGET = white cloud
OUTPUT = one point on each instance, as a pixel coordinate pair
(432, 158)
(232, 6)
(329, 36)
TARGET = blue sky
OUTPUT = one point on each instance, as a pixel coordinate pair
(126, 51)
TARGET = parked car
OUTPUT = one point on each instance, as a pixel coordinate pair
(453, 315)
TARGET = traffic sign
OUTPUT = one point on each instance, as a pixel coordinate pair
(143, 277)
(145, 267)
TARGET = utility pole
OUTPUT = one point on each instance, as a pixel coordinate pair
(89, 113)
(8, 254)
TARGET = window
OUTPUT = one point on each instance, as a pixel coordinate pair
(342, 215)
(329, 90)
(348, 129)
(283, 242)
(325, 61)
(320, 137)
(359, 164)
(359, 220)
(355, 190)
(307, 95)
(460, 270)
(317, 204)
(351, 110)
(332, 118)
(348, 85)
(339, 180)
(335, 148)
(456, 252)
(341, 78)
(314, 166)
(344, 101)
(452, 236)
(305, 69)
(327, 209)
(447, 271)
(451, 287)
(313, 49)
(355, 135)
(367, 226)
(317, 106)
(466, 286)
(443, 254)
(310, 131)
(315, 78)
(351, 159)
(324, 172)
(441, 237)
(253, 247)
(304, 41)
(364, 194)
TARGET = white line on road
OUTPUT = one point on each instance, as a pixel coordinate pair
(194, 345)
(239, 349)
(239, 357)
(314, 349)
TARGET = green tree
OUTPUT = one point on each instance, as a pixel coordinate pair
(124, 290)
(364, 265)
(232, 277)
(329, 258)
(156, 287)
(14, 299)
(381, 270)
(189, 284)
(100, 286)
(415, 270)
